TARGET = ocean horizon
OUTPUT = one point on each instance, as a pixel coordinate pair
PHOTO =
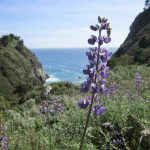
(64, 64)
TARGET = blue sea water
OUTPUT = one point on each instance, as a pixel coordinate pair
(64, 64)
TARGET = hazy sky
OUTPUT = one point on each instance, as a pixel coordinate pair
(65, 23)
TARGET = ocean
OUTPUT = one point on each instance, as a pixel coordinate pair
(64, 64)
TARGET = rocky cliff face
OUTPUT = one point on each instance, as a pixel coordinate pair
(136, 47)
(20, 70)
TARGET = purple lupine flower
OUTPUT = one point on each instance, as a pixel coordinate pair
(84, 102)
(4, 142)
(91, 55)
(105, 72)
(51, 106)
(113, 88)
(98, 58)
(43, 108)
(93, 49)
(95, 87)
(104, 20)
(85, 71)
(105, 55)
(85, 86)
(103, 81)
(118, 142)
(99, 19)
(106, 39)
(108, 54)
(92, 62)
(103, 89)
(94, 28)
(129, 94)
(91, 72)
(97, 72)
(97, 98)
(105, 26)
(99, 109)
(92, 40)
(138, 83)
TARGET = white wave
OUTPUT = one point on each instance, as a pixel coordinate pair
(52, 78)
(79, 82)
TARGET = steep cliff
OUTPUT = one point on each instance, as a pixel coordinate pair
(136, 47)
(20, 70)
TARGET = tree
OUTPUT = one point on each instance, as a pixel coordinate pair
(147, 4)
(22, 90)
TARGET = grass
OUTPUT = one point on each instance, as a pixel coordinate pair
(128, 117)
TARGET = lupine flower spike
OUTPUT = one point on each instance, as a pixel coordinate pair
(96, 71)
(138, 83)
(4, 141)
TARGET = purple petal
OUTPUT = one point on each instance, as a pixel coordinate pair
(85, 71)
(105, 75)
(95, 87)
(104, 59)
(92, 62)
(106, 39)
(104, 90)
(99, 19)
(108, 54)
(92, 40)
(94, 28)
(85, 86)
(90, 55)
(105, 26)
(84, 102)
(103, 81)
(98, 109)
(93, 49)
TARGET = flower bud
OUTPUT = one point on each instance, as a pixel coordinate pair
(99, 19)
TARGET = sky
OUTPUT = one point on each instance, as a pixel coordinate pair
(65, 23)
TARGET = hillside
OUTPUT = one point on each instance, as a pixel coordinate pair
(20, 70)
(136, 47)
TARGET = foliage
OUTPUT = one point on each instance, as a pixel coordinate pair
(147, 4)
(136, 47)
(19, 69)
(124, 125)
(62, 88)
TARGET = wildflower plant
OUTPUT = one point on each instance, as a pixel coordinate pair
(96, 71)
(138, 83)
(48, 108)
(51, 107)
(4, 141)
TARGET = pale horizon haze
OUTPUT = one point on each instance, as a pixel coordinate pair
(65, 23)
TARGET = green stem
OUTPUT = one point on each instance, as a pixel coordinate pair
(90, 108)
(49, 129)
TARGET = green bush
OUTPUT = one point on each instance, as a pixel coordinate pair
(61, 88)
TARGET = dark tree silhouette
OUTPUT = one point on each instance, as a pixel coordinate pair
(147, 4)
(22, 89)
